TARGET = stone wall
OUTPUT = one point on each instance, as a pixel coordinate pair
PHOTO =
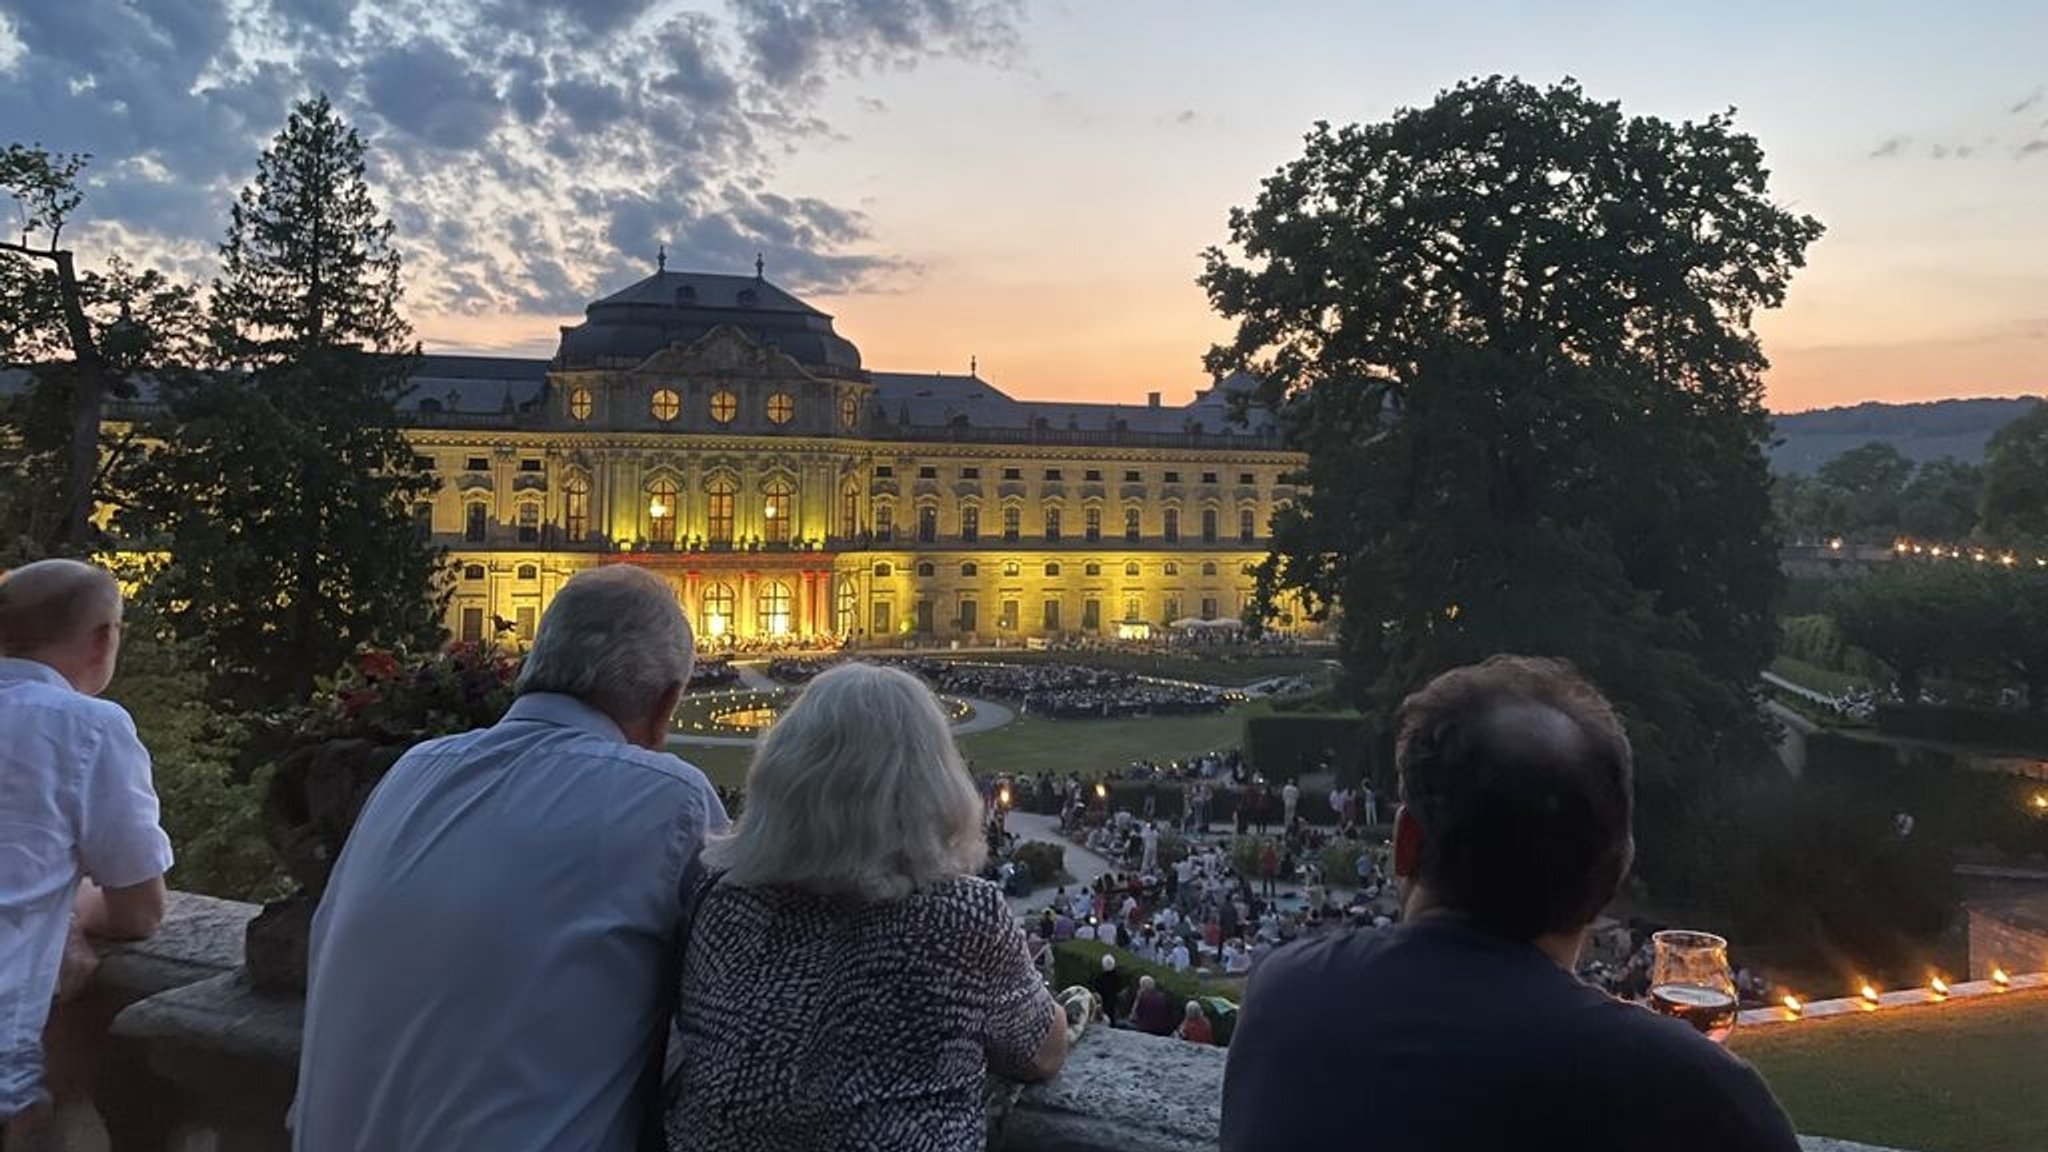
(184, 1053)
(2012, 934)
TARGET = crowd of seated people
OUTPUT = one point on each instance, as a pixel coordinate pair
(798, 669)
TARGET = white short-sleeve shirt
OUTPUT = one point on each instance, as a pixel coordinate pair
(75, 800)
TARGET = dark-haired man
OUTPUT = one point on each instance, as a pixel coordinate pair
(1464, 1026)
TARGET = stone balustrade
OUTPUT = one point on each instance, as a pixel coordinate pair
(178, 1051)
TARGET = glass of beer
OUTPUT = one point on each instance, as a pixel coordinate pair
(1690, 979)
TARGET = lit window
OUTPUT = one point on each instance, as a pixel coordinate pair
(774, 608)
(1091, 568)
(1011, 568)
(777, 504)
(718, 502)
(849, 411)
(781, 408)
(717, 608)
(580, 404)
(1171, 569)
(849, 512)
(661, 511)
(724, 406)
(1052, 524)
(843, 606)
(576, 508)
(1013, 523)
(665, 405)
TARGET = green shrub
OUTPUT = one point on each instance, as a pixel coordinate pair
(1950, 802)
(1080, 961)
(1815, 875)
(1045, 862)
(1813, 638)
(1289, 745)
(1957, 724)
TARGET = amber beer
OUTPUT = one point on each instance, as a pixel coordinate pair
(1709, 1010)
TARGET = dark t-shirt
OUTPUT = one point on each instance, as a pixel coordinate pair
(1437, 1034)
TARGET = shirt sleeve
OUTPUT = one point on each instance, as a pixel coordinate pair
(120, 841)
(1020, 1006)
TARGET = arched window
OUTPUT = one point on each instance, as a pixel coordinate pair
(717, 609)
(927, 568)
(472, 572)
(1012, 568)
(1052, 524)
(1209, 528)
(849, 415)
(529, 522)
(580, 404)
(1208, 567)
(1092, 568)
(1171, 568)
(1171, 527)
(928, 524)
(529, 572)
(1052, 569)
(781, 408)
(576, 508)
(662, 499)
(885, 522)
(475, 522)
(970, 569)
(970, 524)
(1091, 524)
(724, 406)
(883, 568)
(1130, 567)
(1131, 525)
(773, 611)
(849, 512)
(1013, 522)
(1131, 608)
(718, 502)
(778, 507)
(843, 607)
(665, 405)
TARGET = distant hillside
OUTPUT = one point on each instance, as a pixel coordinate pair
(1928, 431)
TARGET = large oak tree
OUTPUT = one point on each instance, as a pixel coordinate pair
(1513, 332)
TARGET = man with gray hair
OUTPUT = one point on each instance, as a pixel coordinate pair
(491, 965)
(80, 846)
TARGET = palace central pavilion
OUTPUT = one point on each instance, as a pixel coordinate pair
(716, 430)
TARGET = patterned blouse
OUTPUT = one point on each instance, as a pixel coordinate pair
(816, 1022)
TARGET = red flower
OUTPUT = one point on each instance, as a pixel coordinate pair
(377, 666)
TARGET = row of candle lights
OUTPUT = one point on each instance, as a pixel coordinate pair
(1938, 990)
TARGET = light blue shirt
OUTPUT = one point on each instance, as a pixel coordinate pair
(75, 800)
(492, 958)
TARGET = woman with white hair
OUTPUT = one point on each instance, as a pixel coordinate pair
(848, 982)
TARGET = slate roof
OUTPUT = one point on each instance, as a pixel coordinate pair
(682, 307)
(475, 385)
(938, 400)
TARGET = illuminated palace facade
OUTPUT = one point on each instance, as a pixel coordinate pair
(717, 431)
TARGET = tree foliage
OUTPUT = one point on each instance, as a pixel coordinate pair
(1873, 494)
(1513, 332)
(85, 334)
(2016, 481)
(281, 489)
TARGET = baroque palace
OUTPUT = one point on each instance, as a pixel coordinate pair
(716, 430)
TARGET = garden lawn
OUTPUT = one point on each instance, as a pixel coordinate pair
(1962, 1077)
(1030, 744)
(1816, 677)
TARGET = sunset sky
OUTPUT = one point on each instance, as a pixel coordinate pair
(1031, 184)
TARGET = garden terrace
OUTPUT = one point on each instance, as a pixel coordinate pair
(182, 1047)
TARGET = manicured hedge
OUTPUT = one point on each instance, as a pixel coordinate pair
(1957, 724)
(1946, 798)
(1290, 744)
(1080, 961)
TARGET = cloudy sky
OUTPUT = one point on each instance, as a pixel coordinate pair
(1030, 182)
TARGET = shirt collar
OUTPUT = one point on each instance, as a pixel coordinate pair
(13, 668)
(565, 711)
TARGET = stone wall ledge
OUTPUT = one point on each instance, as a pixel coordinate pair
(230, 1053)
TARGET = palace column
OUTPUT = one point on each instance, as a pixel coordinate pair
(692, 606)
(746, 614)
